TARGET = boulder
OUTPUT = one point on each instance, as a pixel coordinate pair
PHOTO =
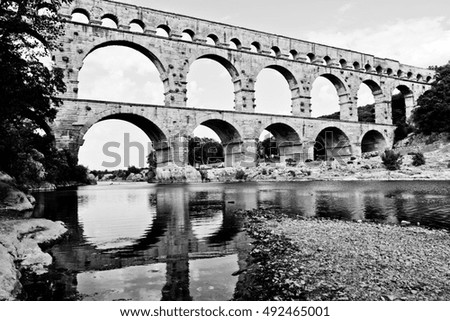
(13, 199)
(9, 276)
(92, 179)
(5, 178)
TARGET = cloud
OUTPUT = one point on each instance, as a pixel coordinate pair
(346, 7)
(420, 42)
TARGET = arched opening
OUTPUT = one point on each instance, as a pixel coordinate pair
(373, 141)
(332, 143)
(366, 101)
(274, 90)
(389, 71)
(400, 73)
(216, 141)
(409, 75)
(120, 141)
(368, 68)
(110, 21)
(235, 44)
(327, 60)
(280, 143)
(325, 102)
(116, 72)
(210, 83)
(137, 26)
(311, 57)
(343, 63)
(402, 104)
(212, 40)
(293, 54)
(356, 65)
(275, 52)
(255, 47)
(187, 35)
(163, 31)
(80, 15)
(379, 70)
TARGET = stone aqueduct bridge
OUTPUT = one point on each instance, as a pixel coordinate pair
(300, 63)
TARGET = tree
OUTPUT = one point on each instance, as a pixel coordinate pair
(28, 88)
(204, 151)
(433, 112)
(391, 160)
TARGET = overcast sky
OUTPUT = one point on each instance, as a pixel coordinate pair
(413, 32)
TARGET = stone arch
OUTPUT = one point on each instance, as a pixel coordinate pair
(232, 70)
(405, 102)
(255, 47)
(293, 54)
(338, 83)
(152, 128)
(132, 45)
(230, 136)
(190, 34)
(139, 23)
(343, 97)
(373, 141)
(378, 100)
(224, 87)
(275, 52)
(291, 82)
(237, 43)
(311, 56)
(153, 58)
(83, 12)
(332, 143)
(287, 74)
(287, 140)
(165, 28)
(112, 17)
(213, 39)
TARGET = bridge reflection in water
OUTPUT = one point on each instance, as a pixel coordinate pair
(123, 237)
(183, 242)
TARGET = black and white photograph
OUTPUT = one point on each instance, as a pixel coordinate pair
(279, 159)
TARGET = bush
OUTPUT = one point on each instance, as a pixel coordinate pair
(240, 174)
(418, 159)
(391, 160)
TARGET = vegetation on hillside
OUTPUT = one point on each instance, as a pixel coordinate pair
(433, 113)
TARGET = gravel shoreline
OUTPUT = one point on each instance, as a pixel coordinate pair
(296, 259)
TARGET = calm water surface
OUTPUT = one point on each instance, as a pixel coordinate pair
(183, 242)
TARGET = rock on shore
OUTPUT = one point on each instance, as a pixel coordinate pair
(19, 249)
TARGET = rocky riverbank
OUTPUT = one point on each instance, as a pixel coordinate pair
(20, 238)
(20, 250)
(297, 259)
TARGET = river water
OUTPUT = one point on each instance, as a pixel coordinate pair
(138, 241)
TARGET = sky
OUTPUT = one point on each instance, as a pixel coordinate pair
(413, 32)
